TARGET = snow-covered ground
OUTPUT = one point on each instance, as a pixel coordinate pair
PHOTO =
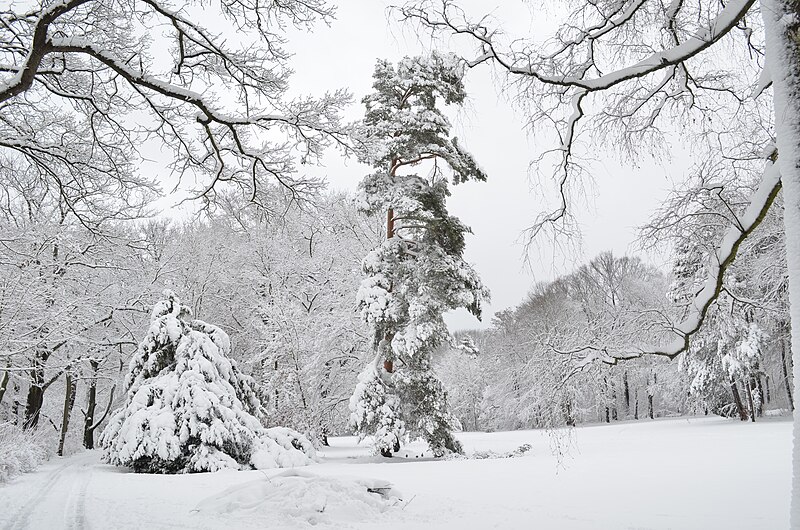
(681, 473)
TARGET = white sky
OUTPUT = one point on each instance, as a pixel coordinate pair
(621, 198)
(501, 208)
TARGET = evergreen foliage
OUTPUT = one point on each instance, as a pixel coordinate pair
(419, 272)
(189, 408)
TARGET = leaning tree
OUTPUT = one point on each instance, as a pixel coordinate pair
(623, 69)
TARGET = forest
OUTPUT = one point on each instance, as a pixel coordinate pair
(183, 291)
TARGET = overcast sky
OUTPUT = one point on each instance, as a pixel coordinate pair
(621, 198)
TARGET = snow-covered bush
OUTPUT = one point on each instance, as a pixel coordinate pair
(190, 409)
(20, 451)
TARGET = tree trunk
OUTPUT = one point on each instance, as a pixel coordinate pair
(613, 401)
(15, 405)
(88, 426)
(569, 419)
(88, 432)
(750, 401)
(786, 380)
(388, 365)
(627, 392)
(636, 406)
(759, 388)
(608, 417)
(69, 402)
(650, 411)
(91, 405)
(782, 31)
(3, 385)
(738, 401)
(35, 399)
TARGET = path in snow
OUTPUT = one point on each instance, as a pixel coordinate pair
(52, 497)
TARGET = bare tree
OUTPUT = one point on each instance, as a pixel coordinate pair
(85, 83)
(611, 73)
(638, 60)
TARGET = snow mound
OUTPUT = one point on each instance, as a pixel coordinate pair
(522, 450)
(296, 497)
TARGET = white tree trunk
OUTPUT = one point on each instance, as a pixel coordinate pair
(782, 29)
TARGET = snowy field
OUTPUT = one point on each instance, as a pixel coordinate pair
(680, 473)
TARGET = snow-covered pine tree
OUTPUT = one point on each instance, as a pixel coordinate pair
(189, 408)
(419, 272)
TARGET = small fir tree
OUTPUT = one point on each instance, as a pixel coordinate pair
(419, 272)
(189, 408)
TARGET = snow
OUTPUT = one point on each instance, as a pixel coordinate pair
(675, 473)
(300, 498)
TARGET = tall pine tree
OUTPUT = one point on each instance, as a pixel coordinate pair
(419, 272)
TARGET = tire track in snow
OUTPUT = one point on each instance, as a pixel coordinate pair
(20, 520)
(74, 515)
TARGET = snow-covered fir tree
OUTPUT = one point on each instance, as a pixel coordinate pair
(419, 272)
(189, 408)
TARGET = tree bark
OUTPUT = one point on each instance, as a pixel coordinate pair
(91, 405)
(782, 31)
(69, 402)
(758, 385)
(569, 419)
(627, 392)
(35, 398)
(3, 385)
(388, 365)
(15, 404)
(750, 402)
(88, 426)
(738, 401)
(786, 379)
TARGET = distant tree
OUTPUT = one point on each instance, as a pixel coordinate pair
(310, 342)
(188, 407)
(418, 273)
(529, 374)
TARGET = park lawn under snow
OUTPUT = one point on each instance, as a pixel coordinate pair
(677, 473)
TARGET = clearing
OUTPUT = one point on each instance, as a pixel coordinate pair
(676, 473)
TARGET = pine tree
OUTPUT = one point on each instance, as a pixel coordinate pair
(419, 272)
(189, 408)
